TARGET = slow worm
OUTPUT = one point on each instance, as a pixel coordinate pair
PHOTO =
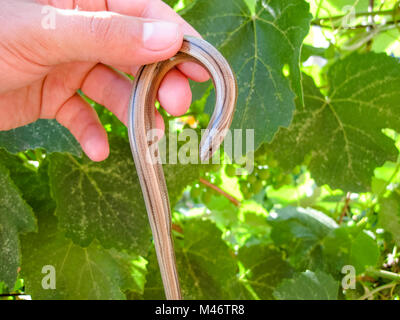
(143, 142)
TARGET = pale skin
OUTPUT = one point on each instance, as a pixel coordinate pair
(41, 69)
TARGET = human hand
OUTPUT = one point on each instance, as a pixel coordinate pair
(41, 69)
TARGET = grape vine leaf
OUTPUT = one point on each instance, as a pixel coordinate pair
(3, 288)
(15, 217)
(349, 245)
(308, 285)
(308, 51)
(300, 231)
(258, 46)
(46, 134)
(389, 215)
(222, 211)
(100, 201)
(179, 176)
(33, 183)
(171, 3)
(104, 201)
(343, 131)
(80, 273)
(206, 265)
(265, 269)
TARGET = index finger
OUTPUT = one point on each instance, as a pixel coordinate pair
(152, 9)
(157, 9)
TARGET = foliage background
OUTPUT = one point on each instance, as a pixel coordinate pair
(319, 82)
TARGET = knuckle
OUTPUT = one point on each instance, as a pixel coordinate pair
(141, 7)
(104, 29)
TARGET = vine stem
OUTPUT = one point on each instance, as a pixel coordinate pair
(370, 14)
(371, 293)
(232, 199)
(357, 14)
(371, 21)
(384, 274)
(358, 26)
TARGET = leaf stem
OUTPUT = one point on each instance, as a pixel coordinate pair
(345, 207)
(232, 199)
(319, 7)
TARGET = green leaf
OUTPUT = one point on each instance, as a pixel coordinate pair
(347, 4)
(389, 216)
(15, 217)
(171, 3)
(153, 288)
(101, 201)
(258, 46)
(3, 288)
(300, 231)
(205, 263)
(308, 51)
(349, 246)
(343, 131)
(386, 41)
(364, 252)
(33, 183)
(80, 273)
(265, 269)
(308, 286)
(179, 176)
(104, 200)
(46, 134)
(223, 211)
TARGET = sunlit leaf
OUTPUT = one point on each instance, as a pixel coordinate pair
(46, 134)
(308, 286)
(258, 46)
(205, 263)
(15, 217)
(343, 131)
(80, 273)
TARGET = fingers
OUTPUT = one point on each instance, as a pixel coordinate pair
(174, 93)
(150, 9)
(194, 71)
(160, 125)
(109, 89)
(113, 90)
(82, 121)
(110, 38)
(157, 9)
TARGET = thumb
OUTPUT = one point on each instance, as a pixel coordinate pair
(110, 38)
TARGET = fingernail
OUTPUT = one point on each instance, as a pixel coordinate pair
(159, 35)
